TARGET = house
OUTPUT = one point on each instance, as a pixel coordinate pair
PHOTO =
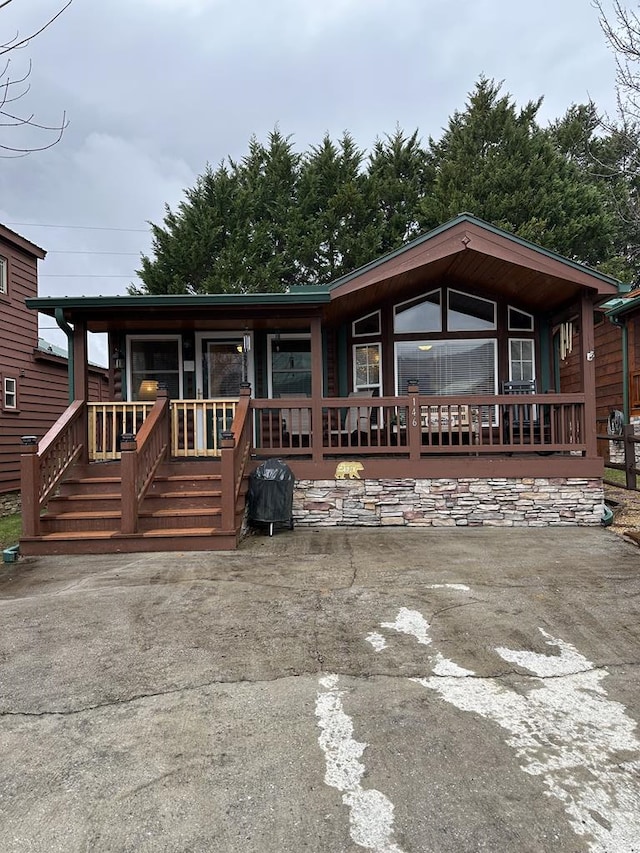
(421, 389)
(34, 389)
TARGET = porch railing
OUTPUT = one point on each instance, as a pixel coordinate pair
(107, 422)
(412, 426)
(196, 426)
(141, 457)
(417, 426)
(43, 466)
(236, 448)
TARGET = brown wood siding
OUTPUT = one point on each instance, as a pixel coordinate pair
(41, 379)
(609, 381)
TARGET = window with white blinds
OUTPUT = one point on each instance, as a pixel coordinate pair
(448, 367)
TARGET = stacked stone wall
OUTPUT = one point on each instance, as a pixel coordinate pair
(496, 502)
(9, 503)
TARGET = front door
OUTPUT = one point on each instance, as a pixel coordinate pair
(223, 362)
(225, 368)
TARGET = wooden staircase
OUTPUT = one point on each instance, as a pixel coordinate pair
(180, 512)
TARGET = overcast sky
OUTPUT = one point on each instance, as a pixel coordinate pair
(155, 89)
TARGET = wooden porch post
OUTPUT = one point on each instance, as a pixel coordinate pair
(317, 439)
(414, 427)
(128, 481)
(30, 486)
(228, 481)
(81, 380)
(588, 373)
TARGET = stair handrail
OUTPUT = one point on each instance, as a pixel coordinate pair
(141, 456)
(44, 464)
(236, 447)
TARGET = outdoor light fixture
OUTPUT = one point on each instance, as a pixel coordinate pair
(118, 359)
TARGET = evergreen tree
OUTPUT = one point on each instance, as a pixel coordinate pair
(339, 230)
(399, 176)
(496, 162)
(608, 158)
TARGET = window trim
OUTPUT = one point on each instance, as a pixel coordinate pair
(6, 393)
(487, 329)
(4, 276)
(134, 338)
(511, 328)
(378, 385)
(422, 297)
(355, 334)
(533, 356)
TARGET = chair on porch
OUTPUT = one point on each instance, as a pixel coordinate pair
(520, 415)
(358, 424)
(296, 422)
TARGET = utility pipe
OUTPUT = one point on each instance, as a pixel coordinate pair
(68, 330)
(625, 365)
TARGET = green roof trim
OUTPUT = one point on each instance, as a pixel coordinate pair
(481, 223)
(46, 304)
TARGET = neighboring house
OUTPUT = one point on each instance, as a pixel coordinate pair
(423, 389)
(34, 388)
(619, 356)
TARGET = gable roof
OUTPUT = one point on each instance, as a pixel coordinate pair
(474, 251)
(17, 241)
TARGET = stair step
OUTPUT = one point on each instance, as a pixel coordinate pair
(169, 539)
(212, 493)
(88, 515)
(174, 512)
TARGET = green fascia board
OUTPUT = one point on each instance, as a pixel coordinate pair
(48, 304)
(618, 307)
(481, 223)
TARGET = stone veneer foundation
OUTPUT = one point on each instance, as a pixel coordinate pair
(495, 502)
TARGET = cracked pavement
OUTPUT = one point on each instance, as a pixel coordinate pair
(169, 702)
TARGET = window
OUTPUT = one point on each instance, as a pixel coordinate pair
(419, 315)
(520, 321)
(369, 325)
(521, 360)
(447, 367)
(154, 361)
(290, 365)
(10, 393)
(4, 288)
(366, 367)
(470, 313)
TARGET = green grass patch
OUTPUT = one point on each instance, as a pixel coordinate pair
(616, 476)
(10, 530)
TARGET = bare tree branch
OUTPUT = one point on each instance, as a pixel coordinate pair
(12, 90)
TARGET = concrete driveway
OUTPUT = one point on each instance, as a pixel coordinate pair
(330, 690)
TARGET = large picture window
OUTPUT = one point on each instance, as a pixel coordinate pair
(447, 367)
(154, 361)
